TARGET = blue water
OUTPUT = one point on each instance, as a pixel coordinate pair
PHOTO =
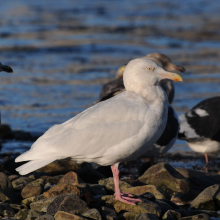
(63, 52)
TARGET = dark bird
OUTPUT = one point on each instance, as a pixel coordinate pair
(200, 127)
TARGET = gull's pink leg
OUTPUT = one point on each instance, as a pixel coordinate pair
(118, 195)
(206, 159)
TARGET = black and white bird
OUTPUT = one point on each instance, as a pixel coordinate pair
(200, 127)
(8, 69)
(170, 133)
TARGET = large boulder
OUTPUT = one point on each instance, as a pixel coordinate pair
(163, 175)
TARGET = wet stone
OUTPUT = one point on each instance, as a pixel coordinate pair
(92, 214)
(171, 215)
(208, 199)
(34, 188)
(22, 214)
(197, 217)
(158, 193)
(166, 177)
(143, 207)
(70, 203)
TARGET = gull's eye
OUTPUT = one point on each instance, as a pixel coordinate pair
(149, 68)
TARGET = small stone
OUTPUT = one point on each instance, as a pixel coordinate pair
(34, 188)
(20, 182)
(16, 207)
(171, 215)
(5, 188)
(70, 178)
(70, 203)
(197, 217)
(22, 214)
(158, 193)
(62, 189)
(208, 199)
(92, 214)
(28, 201)
(110, 186)
(148, 196)
(163, 175)
(41, 205)
(184, 198)
(136, 216)
(6, 210)
(144, 207)
(108, 213)
(45, 217)
(67, 216)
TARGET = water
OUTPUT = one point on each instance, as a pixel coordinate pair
(62, 54)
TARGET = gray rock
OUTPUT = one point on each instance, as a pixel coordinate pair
(92, 214)
(171, 215)
(163, 175)
(108, 213)
(22, 214)
(45, 217)
(42, 205)
(196, 217)
(208, 199)
(70, 203)
(34, 188)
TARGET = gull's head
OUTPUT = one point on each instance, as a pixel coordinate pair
(5, 68)
(144, 72)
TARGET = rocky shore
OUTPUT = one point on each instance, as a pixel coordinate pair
(66, 190)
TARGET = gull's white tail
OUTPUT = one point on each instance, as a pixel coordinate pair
(33, 165)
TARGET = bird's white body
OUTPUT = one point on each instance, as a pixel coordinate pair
(116, 130)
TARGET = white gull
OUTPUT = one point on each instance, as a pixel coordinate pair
(117, 130)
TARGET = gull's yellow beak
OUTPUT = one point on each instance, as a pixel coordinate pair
(172, 76)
